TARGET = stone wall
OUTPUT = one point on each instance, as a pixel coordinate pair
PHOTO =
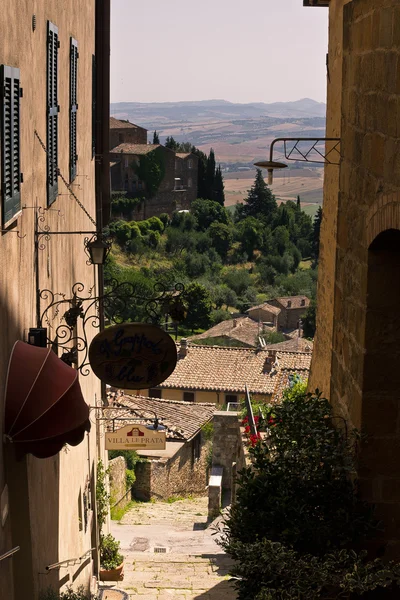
(227, 448)
(119, 495)
(180, 475)
(358, 346)
(130, 135)
(320, 375)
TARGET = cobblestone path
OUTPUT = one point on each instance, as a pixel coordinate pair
(171, 554)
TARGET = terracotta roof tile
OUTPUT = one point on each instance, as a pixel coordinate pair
(295, 301)
(183, 154)
(127, 148)
(242, 329)
(121, 124)
(273, 309)
(229, 369)
(183, 420)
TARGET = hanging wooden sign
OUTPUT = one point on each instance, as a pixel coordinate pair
(133, 356)
(135, 437)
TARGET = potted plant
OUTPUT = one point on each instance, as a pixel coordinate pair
(111, 560)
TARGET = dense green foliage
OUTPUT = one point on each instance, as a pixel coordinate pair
(310, 523)
(238, 261)
(70, 594)
(151, 170)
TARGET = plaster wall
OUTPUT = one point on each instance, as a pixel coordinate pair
(204, 396)
(45, 523)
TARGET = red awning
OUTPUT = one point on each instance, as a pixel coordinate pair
(44, 406)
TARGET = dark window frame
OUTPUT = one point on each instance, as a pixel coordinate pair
(73, 107)
(192, 394)
(52, 112)
(156, 391)
(228, 398)
(10, 130)
(196, 448)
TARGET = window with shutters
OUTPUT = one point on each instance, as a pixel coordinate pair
(73, 107)
(52, 112)
(10, 143)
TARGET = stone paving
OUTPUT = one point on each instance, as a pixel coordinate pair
(171, 554)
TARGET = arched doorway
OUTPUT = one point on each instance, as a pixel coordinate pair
(380, 456)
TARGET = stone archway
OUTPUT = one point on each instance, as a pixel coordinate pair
(380, 418)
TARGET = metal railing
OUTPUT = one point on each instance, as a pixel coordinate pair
(10, 553)
(69, 562)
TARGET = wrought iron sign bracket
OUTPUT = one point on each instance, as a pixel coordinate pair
(82, 307)
(294, 150)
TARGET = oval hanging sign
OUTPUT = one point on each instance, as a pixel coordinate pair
(133, 356)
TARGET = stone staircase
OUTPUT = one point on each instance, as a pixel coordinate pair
(177, 577)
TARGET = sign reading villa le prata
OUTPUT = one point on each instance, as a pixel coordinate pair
(133, 356)
(135, 437)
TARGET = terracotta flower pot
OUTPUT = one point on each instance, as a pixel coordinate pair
(116, 574)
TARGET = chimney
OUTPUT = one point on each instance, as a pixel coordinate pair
(289, 304)
(234, 322)
(303, 302)
(272, 354)
(268, 365)
(183, 349)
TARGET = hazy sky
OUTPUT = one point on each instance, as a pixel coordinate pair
(237, 50)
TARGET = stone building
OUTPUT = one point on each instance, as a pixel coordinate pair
(281, 313)
(218, 374)
(180, 469)
(178, 188)
(357, 351)
(48, 56)
(124, 132)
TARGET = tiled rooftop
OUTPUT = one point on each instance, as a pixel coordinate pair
(294, 300)
(296, 344)
(242, 329)
(265, 306)
(183, 420)
(127, 148)
(229, 369)
(121, 124)
(183, 154)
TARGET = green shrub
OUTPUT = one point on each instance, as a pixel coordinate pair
(70, 594)
(110, 556)
(297, 516)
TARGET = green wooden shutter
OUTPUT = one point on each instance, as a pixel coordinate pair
(52, 112)
(73, 107)
(10, 143)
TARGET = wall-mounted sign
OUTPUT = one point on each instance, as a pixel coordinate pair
(133, 356)
(135, 437)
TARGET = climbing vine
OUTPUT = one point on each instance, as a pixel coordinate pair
(151, 170)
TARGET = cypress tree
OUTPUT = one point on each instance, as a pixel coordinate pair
(316, 232)
(210, 175)
(156, 139)
(298, 203)
(219, 195)
(260, 200)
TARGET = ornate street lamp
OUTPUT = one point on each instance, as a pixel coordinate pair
(97, 249)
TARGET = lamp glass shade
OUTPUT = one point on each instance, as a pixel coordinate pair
(98, 250)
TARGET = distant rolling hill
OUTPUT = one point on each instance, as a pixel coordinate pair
(148, 114)
(240, 135)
